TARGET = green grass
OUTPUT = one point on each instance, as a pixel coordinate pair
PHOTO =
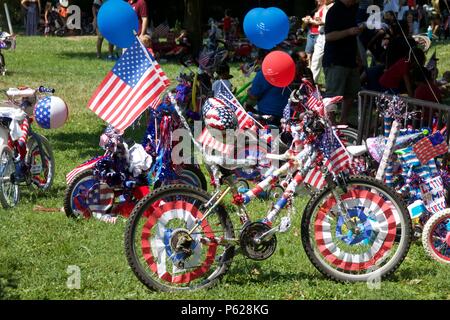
(37, 248)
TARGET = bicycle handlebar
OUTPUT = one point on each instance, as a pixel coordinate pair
(43, 89)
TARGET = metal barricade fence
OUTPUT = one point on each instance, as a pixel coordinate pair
(370, 124)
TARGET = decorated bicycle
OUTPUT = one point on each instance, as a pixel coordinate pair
(26, 157)
(109, 186)
(415, 163)
(355, 228)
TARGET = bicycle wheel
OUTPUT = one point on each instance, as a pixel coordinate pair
(348, 136)
(40, 161)
(9, 191)
(436, 237)
(192, 175)
(369, 247)
(76, 195)
(161, 253)
(189, 175)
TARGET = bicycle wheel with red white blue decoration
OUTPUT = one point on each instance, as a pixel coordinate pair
(160, 248)
(436, 237)
(361, 235)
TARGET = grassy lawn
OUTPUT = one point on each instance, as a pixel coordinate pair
(37, 248)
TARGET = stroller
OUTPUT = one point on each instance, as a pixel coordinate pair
(7, 41)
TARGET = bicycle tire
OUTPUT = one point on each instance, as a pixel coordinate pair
(7, 161)
(189, 175)
(48, 153)
(429, 237)
(328, 256)
(148, 268)
(71, 188)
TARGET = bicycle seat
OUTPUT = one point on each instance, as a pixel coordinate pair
(356, 151)
(20, 93)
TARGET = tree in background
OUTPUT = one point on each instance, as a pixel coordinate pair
(193, 23)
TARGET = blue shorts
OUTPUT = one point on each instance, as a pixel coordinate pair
(310, 42)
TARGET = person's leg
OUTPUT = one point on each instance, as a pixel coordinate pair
(99, 46)
(335, 85)
(309, 46)
(111, 50)
(316, 61)
(352, 87)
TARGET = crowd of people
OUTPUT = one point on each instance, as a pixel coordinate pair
(353, 52)
(356, 55)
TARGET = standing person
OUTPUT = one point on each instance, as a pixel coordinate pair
(33, 9)
(95, 8)
(339, 60)
(316, 60)
(313, 23)
(226, 25)
(140, 6)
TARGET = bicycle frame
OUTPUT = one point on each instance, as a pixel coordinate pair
(300, 160)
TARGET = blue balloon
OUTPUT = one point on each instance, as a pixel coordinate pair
(266, 28)
(117, 22)
(279, 22)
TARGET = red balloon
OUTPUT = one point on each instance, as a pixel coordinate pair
(279, 69)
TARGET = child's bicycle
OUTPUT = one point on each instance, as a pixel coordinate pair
(26, 157)
(7, 41)
(436, 237)
(180, 238)
(108, 186)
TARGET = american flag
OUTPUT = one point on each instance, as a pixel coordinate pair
(315, 178)
(81, 168)
(337, 158)
(430, 147)
(315, 103)
(135, 82)
(244, 120)
(209, 142)
(100, 198)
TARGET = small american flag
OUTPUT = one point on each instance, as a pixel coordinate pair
(81, 168)
(135, 82)
(430, 147)
(244, 120)
(315, 103)
(337, 158)
(315, 178)
(211, 143)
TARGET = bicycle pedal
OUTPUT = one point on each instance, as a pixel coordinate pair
(285, 224)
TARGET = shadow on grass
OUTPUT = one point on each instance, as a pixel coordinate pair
(86, 143)
(82, 55)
